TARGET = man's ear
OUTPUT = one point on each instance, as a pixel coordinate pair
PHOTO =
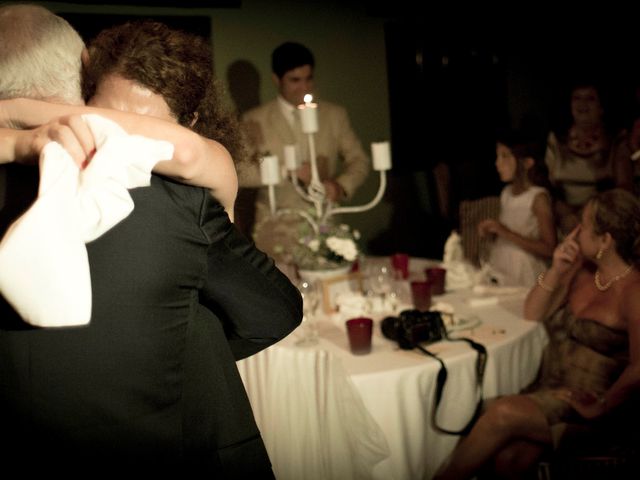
(84, 56)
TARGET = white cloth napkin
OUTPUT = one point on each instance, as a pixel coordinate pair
(44, 268)
(460, 273)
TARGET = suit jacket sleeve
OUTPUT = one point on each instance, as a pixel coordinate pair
(356, 164)
(257, 303)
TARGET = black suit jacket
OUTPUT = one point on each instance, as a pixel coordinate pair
(151, 383)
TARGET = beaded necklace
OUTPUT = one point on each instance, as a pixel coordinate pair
(606, 286)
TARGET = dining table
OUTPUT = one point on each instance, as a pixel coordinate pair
(325, 413)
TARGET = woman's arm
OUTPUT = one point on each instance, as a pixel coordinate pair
(553, 287)
(543, 246)
(24, 146)
(629, 381)
(197, 160)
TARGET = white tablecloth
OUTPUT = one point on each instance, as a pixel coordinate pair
(327, 414)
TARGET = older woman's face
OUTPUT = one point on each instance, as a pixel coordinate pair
(585, 105)
(119, 93)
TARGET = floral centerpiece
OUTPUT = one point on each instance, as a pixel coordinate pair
(332, 247)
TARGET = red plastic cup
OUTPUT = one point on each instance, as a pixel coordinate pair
(421, 294)
(359, 330)
(400, 263)
(436, 276)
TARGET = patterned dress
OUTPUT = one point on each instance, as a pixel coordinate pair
(582, 354)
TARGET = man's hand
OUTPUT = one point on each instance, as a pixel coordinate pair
(334, 191)
(304, 173)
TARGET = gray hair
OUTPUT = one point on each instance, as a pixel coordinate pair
(39, 55)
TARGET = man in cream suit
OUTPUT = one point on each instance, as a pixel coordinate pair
(342, 163)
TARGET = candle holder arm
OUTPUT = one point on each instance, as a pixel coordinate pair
(300, 213)
(360, 208)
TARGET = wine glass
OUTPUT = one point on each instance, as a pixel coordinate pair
(382, 282)
(310, 301)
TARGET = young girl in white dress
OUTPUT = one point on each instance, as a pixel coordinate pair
(525, 232)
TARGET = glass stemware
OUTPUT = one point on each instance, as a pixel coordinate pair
(382, 282)
(310, 301)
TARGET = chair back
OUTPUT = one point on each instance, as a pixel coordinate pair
(473, 212)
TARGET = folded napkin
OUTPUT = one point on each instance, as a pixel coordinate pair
(352, 304)
(460, 273)
(44, 268)
(453, 252)
(482, 301)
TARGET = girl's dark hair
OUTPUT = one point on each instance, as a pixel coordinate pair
(523, 146)
(171, 63)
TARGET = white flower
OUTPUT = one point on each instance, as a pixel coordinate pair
(314, 245)
(345, 247)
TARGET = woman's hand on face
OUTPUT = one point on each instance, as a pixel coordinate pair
(585, 403)
(568, 252)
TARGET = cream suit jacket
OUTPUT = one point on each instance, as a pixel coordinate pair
(338, 150)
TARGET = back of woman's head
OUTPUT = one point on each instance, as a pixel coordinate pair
(617, 212)
(175, 64)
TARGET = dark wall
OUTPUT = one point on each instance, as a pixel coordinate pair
(89, 25)
(457, 78)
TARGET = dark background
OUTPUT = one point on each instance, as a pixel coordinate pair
(452, 75)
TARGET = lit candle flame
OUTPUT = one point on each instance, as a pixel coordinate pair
(308, 98)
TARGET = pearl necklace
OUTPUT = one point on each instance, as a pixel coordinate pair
(606, 286)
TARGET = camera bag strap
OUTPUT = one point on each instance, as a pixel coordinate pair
(481, 362)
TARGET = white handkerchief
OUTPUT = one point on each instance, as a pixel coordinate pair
(44, 268)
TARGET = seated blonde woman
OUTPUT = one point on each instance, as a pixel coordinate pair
(590, 372)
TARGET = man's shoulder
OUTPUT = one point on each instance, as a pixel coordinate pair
(260, 111)
(332, 109)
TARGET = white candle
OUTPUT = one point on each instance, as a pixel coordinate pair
(381, 153)
(270, 170)
(290, 159)
(308, 115)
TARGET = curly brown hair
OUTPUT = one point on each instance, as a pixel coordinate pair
(617, 212)
(172, 63)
